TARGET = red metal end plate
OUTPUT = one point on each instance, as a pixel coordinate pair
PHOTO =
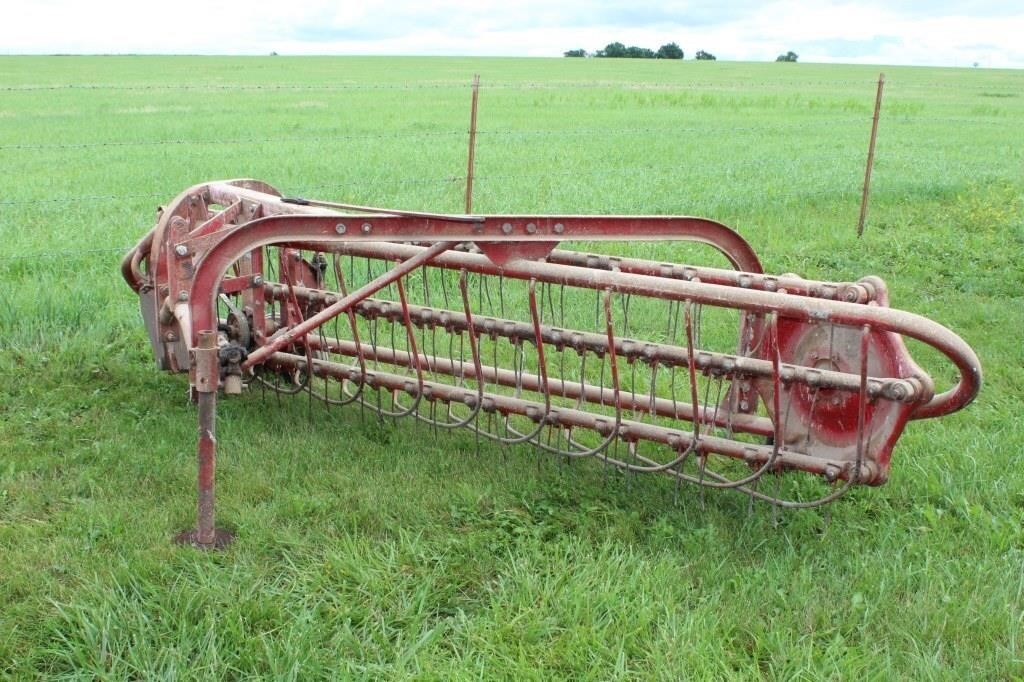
(822, 422)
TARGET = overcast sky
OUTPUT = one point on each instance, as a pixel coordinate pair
(872, 32)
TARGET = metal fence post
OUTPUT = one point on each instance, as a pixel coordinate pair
(472, 144)
(871, 157)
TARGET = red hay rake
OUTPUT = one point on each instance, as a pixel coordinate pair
(717, 377)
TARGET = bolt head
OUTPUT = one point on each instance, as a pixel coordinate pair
(506, 228)
(531, 228)
(559, 228)
(257, 280)
(182, 295)
(367, 227)
(340, 228)
(170, 337)
(181, 250)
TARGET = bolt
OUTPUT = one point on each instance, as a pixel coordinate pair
(181, 250)
(170, 337)
(506, 228)
(183, 295)
(744, 405)
(257, 280)
(835, 401)
(367, 227)
(559, 228)
(531, 228)
(340, 228)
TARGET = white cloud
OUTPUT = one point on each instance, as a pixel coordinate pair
(910, 33)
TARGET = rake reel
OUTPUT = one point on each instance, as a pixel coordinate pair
(718, 377)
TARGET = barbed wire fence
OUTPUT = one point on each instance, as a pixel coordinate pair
(446, 182)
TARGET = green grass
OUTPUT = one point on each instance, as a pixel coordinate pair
(377, 550)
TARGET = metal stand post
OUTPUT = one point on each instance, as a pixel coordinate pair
(207, 377)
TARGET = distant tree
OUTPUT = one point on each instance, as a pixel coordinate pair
(273, 54)
(788, 57)
(612, 50)
(705, 56)
(576, 53)
(669, 51)
(634, 52)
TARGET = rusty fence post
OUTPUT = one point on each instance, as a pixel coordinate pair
(206, 362)
(472, 144)
(871, 157)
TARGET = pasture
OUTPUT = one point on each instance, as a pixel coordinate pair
(369, 549)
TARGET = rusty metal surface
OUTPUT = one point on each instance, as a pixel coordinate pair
(710, 376)
(206, 379)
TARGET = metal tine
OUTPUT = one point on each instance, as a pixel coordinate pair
(722, 482)
(650, 466)
(551, 303)
(359, 349)
(691, 366)
(561, 305)
(612, 437)
(443, 274)
(542, 368)
(354, 325)
(414, 353)
(480, 291)
(653, 392)
(298, 311)
(501, 294)
(862, 397)
(632, 386)
(477, 361)
(425, 273)
(625, 311)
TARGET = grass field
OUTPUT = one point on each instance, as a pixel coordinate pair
(371, 550)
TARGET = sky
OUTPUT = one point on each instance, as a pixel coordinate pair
(928, 33)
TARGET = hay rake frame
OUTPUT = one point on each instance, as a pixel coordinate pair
(232, 285)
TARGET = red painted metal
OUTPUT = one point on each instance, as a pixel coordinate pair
(814, 376)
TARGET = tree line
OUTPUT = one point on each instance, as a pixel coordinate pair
(619, 51)
(668, 51)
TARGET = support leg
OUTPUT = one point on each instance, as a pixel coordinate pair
(207, 375)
